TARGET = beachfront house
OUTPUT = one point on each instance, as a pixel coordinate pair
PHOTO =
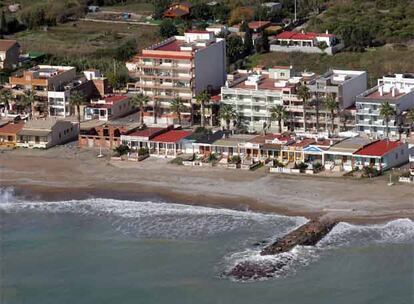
(340, 157)
(382, 155)
(8, 133)
(46, 133)
(171, 143)
(141, 138)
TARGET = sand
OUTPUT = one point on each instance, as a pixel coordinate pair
(67, 172)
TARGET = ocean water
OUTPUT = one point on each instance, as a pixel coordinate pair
(113, 251)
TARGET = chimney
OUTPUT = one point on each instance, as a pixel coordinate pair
(256, 86)
(327, 32)
(393, 91)
(302, 31)
(381, 90)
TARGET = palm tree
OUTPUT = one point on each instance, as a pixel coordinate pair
(410, 117)
(5, 97)
(202, 99)
(27, 101)
(278, 113)
(177, 106)
(227, 113)
(317, 108)
(77, 99)
(304, 94)
(155, 109)
(387, 111)
(140, 100)
(331, 105)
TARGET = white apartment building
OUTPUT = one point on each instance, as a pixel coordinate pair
(394, 90)
(254, 94)
(181, 66)
(402, 82)
(109, 107)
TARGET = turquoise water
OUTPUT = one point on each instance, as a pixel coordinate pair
(111, 251)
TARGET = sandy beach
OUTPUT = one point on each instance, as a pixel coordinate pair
(66, 172)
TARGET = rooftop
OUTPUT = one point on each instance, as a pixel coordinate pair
(350, 145)
(41, 124)
(11, 128)
(172, 136)
(263, 82)
(147, 133)
(6, 44)
(378, 148)
(301, 36)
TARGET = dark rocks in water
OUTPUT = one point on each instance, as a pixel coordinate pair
(306, 235)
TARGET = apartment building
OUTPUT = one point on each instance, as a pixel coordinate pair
(91, 84)
(344, 86)
(40, 80)
(181, 66)
(254, 93)
(402, 82)
(368, 105)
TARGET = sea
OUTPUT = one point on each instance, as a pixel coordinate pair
(101, 250)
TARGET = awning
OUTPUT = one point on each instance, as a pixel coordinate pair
(29, 132)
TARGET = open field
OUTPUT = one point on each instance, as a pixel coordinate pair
(131, 7)
(377, 61)
(83, 37)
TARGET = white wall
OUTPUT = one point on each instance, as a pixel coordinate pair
(353, 87)
(210, 66)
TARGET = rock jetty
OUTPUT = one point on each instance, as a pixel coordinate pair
(308, 234)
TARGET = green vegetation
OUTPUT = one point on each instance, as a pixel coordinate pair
(121, 150)
(367, 23)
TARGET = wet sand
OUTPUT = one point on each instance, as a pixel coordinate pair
(69, 173)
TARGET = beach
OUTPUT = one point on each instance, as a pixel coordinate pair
(66, 172)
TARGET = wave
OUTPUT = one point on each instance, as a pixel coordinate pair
(160, 219)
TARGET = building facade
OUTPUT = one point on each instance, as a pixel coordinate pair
(399, 94)
(181, 66)
(253, 94)
(110, 107)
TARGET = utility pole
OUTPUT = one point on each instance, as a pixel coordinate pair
(295, 12)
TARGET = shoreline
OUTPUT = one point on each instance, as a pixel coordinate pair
(66, 173)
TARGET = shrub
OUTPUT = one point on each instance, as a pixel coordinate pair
(143, 151)
(317, 167)
(370, 172)
(177, 161)
(278, 164)
(121, 150)
(235, 159)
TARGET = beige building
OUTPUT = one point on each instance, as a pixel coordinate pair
(46, 133)
(181, 66)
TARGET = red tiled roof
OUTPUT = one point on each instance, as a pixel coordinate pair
(301, 36)
(216, 98)
(385, 96)
(197, 32)
(115, 98)
(254, 25)
(303, 143)
(11, 128)
(378, 148)
(172, 136)
(6, 44)
(173, 45)
(148, 132)
(175, 12)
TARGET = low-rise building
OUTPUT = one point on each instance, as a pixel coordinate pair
(382, 155)
(9, 54)
(8, 133)
(171, 143)
(110, 107)
(306, 42)
(178, 10)
(46, 133)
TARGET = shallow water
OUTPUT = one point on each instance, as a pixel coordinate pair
(112, 251)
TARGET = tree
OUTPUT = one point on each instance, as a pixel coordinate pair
(177, 106)
(234, 47)
(140, 100)
(159, 7)
(76, 99)
(3, 24)
(5, 97)
(227, 113)
(279, 114)
(265, 42)
(304, 94)
(28, 100)
(168, 29)
(317, 108)
(248, 41)
(386, 112)
(202, 99)
(331, 105)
